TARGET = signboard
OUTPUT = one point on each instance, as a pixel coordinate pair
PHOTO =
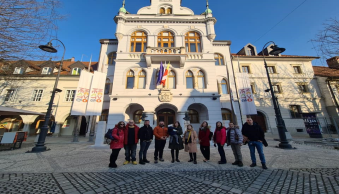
(311, 123)
(96, 96)
(82, 93)
(246, 97)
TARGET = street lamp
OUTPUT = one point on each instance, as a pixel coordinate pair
(280, 122)
(40, 145)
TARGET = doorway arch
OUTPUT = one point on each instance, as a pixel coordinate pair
(260, 118)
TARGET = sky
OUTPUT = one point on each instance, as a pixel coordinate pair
(291, 24)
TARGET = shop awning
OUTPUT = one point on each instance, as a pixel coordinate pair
(13, 111)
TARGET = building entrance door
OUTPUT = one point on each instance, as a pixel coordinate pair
(166, 115)
(261, 120)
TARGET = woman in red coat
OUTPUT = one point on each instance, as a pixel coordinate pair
(117, 143)
(204, 140)
(220, 139)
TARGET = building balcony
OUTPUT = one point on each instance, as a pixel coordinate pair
(158, 54)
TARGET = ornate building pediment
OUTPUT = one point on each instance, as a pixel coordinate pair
(165, 95)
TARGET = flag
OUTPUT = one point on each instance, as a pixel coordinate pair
(160, 74)
(164, 77)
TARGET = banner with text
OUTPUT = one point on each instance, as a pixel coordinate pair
(246, 97)
(96, 96)
(82, 93)
(311, 123)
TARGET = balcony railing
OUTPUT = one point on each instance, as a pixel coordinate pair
(165, 50)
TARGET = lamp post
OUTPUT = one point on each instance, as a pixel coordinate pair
(40, 145)
(280, 122)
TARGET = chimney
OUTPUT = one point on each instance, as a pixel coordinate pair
(333, 62)
(73, 59)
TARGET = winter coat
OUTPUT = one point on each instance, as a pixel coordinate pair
(204, 137)
(220, 136)
(145, 133)
(136, 130)
(160, 132)
(118, 141)
(253, 132)
(191, 147)
(231, 134)
(173, 144)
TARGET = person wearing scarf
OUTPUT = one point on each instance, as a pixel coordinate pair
(190, 137)
(204, 140)
(117, 143)
(220, 139)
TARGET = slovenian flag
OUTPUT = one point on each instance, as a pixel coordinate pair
(164, 77)
(160, 74)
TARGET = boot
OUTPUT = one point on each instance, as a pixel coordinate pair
(235, 163)
(240, 164)
(264, 166)
(253, 165)
(195, 158)
(145, 160)
(141, 162)
(191, 157)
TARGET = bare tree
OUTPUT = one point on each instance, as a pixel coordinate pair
(328, 38)
(25, 24)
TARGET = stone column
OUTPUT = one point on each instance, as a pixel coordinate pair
(100, 133)
(57, 129)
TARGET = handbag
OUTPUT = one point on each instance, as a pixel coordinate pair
(211, 135)
(109, 137)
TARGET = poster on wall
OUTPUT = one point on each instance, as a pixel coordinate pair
(312, 125)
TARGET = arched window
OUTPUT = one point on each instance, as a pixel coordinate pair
(137, 116)
(171, 80)
(130, 80)
(111, 57)
(226, 114)
(189, 80)
(219, 59)
(169, 10)
(194, 116)
(165, 39)
(162, 10)
(142, 80)
(201, 80)
(76, 71)
(138, 41)
(224, 88)
(108, 86)
(104, 115)
(192, 42)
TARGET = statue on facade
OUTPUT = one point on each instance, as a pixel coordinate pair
(187, 117)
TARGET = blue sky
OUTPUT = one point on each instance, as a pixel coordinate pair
(241, 21)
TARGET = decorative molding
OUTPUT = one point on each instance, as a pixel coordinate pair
(165, 95)
(211, 37)
(165, 26)
(119, 36)
(192, 27)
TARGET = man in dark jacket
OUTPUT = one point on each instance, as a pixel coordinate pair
(146, 136)
(255, 137)
(130, 142)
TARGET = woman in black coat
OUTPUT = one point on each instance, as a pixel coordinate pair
(175, 142)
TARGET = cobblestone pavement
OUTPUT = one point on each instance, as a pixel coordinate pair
(80, 168)
(171, 181)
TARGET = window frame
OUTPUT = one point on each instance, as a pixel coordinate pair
(111, 58)
(298, 69)
(69, 98)
(35, 94)
(173, 77)
(197, 42)
(226, 114)
(271, 69)
(305, 88)
(170, 38)
(109, 84)
(253, 88)
(142, 76)
(10, 97)
(199, 76)
(162, 10)
(130, 76)
(221, 87)
(219, 59)
(295, 115)
(20, 72)
(77, 68)
(169, 10)
(189, 74)
(247, 67)
(46, 73)
(280, 91)
(192, 112)
(134, 42)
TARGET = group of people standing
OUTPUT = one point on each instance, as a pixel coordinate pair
(128, 136)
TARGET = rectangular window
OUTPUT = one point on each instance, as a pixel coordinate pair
(276, 88)
(69, 96)
(253, 88)
(18, 70)
(297, 69)
(192, 47)
(37, 94)
(171, 83)
(138, 47)
(295, 111)
(245, 69)
(46, 70)
(189, 82)
(130, 82)
(107, 88)
(10, 95)
(224, 89)
(271, 69)
(226, 116)
(302, 88)
(141, 84)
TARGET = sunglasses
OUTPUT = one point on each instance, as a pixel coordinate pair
(121, 124)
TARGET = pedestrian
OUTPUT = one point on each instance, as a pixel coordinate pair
(204, 140)
(176, 130)
(220, 139)
(161, 133)
(255, 137)
(131, 141)
(145, 135)
(234, 138)
(190, 138)
(117, 143)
